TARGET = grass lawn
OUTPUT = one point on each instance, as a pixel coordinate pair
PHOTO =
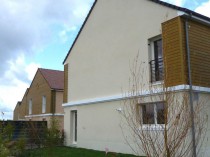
(69, 152)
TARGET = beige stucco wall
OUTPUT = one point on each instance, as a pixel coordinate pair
(205, 98)
(99, 66)
(110, 40)
(98, 127)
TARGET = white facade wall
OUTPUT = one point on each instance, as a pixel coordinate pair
(98, 127)
(99, 66)
(99, 63)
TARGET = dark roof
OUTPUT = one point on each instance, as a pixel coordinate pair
(190, 12)
(54, 78)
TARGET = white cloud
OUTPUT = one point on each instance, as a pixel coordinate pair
(176, 2)
(204, 9)
(27, 26)
(81, 11)
(14, 83)
(64, 34)
(31, 70)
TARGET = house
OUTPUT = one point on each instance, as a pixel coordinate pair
(20, 109)
(16, 111)
(43, 99)
(97, 66)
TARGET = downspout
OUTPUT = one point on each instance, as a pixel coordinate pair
(190, 89)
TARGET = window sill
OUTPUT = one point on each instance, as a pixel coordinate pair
(155, 127)
(157, 83)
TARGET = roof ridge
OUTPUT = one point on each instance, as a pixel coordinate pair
(50, 69)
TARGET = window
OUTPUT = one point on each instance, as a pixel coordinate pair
(43, 104)
(153, 113)
(156, 62)
(30, 106)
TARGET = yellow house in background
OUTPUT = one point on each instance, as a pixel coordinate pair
(97, 66)
(43, 99)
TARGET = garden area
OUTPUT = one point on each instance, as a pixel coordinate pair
(34, 139)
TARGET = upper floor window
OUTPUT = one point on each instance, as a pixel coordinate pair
(30, 106)
(43, 104)
(153, 113)
(156, 60)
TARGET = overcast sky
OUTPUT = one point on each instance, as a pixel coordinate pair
(39, 33)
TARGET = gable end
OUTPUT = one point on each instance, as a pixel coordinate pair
(80, 30)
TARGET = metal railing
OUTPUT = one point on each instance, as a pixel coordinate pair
(156, 70)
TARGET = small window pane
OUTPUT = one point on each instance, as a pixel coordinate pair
(158, 49)
(30, 106)
(160, 113)
(148, 114)
(43, 104)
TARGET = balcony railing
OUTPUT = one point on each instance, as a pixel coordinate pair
(156, 70)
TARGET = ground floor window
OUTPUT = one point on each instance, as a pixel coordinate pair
(153, 113)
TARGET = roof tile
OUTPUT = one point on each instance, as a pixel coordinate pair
(54, 78)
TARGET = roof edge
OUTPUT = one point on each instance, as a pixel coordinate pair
(87, 17)
(187, 11)
(50, 69)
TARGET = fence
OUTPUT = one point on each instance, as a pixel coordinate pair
(32, 131)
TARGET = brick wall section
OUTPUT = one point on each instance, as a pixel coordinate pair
(59, 101)
(20, 109)
(39, 88)
(23, 106)
(16, 111)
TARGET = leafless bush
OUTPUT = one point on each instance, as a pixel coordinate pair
(159, 118)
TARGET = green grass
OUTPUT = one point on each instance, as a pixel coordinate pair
(70, 152)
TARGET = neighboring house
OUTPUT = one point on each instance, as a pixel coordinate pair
(44, 98)
(17, 109)
(20, 109)
(97, 67)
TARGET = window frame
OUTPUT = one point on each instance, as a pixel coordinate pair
(153, 57)
(74, 126)
(30, 105)
(44, 104)
(154, 125)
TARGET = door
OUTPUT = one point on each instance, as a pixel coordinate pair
(74, 126)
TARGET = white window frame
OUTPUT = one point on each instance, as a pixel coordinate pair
(155, 125)
(152, 54)
(151, 44)
(30, 106)
(44, 105)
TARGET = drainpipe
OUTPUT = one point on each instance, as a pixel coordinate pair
(190, 89)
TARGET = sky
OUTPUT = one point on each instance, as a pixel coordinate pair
(38, 34)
